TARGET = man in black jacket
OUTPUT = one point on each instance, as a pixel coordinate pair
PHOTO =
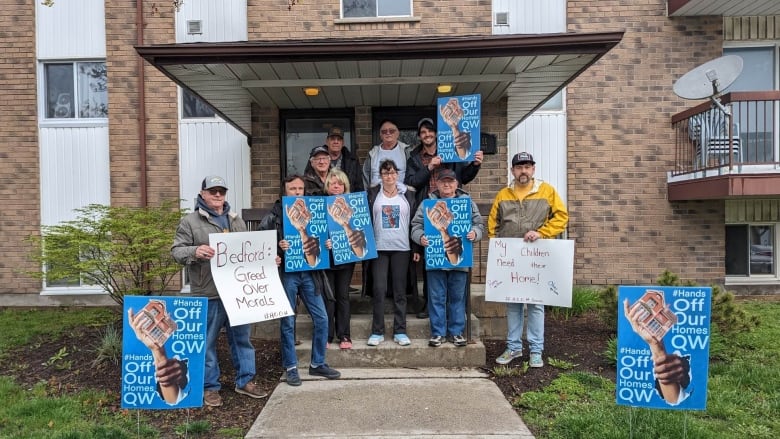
(342, 158)
(421, 170)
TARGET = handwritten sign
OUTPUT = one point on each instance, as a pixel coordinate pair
(156, 330)
(678, 318)
(245, 272)
(459, 125)
(447, 221)
(305, 225)
(351, 232)
(539, 272)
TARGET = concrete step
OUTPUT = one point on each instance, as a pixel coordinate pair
(390, 355)
(360, 327)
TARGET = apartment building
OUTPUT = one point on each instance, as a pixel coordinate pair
(131, 103)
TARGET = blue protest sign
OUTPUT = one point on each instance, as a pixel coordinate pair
(305, 226)
(351, 233)
(446, 222)
(663, 347)
(167, 333)
(458, 128)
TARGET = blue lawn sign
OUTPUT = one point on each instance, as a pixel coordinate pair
(663, 327)
(458, 127)
(169, 331)
(445, 221)
(349, 217)
(305, 224)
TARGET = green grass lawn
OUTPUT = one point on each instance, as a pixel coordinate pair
(743, 393)
(743, 397)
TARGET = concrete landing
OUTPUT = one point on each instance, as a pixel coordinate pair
(384, 403)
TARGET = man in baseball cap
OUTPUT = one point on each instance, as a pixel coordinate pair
(542, 216)
(213, 181)
(522, 157)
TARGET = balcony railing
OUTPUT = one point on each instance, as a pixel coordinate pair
(707, 144)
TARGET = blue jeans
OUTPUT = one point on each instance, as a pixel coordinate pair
(514, 322)
(301, 283)
(447, 301)
(241, 350)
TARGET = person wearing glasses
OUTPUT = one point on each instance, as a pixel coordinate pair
(389, 149)
(391, 206)
(316, 174)
(342, 159)
(191, 248)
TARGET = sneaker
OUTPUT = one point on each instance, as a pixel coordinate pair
(536, 360)
(435, 341)
(293, 378)
(211, 398)
(324, 371)
(345, 343)
(402, 339)
(375, 339)
(251, 390)
(459, 341)
(508, 356)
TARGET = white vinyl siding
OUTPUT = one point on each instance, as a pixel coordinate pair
(531, 16)
(71, 29)
(74, 171)
(544, 136)
(543, 133)
(213, 148)
(220, 21)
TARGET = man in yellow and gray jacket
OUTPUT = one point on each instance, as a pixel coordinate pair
(530, 209)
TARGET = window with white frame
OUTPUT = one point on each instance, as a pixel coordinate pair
(376, 8)
(750, 249)
(193, 107)
(75, 90)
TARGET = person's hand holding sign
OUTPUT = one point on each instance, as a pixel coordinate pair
(299, 217)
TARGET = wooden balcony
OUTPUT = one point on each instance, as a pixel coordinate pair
(715, 159)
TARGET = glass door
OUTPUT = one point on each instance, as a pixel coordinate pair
(302, 133)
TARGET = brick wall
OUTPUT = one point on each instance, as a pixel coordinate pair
(312, 20)
(19, 158)
(161, 120)
(621, 145)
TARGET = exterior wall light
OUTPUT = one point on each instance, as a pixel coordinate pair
(444, 88)
(311, 91)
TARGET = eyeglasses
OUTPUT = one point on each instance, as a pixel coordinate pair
(321, 159)
(388, 172)
(215, 191)
(388, 131)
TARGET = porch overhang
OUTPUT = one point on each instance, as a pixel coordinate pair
(724, 187)
(727, 8)
(379, 72)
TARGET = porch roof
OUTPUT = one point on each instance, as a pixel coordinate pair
(379, 72)
(730, 8)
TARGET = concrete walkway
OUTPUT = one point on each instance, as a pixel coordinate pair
(383, 403)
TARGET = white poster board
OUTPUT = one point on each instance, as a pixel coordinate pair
(246, 276)
(539, 272)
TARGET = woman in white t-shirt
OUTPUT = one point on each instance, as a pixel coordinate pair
(392, 205)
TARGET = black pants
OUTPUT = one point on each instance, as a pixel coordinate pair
(338, 311)
(395, 264)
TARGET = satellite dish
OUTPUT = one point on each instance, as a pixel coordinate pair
(709, 79)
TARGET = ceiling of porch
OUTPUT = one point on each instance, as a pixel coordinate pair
(525, 69)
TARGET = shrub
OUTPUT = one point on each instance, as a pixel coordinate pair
(123, 250)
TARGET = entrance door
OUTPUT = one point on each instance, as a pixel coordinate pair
(301, 133)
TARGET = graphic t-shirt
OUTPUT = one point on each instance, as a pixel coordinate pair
(391, 222)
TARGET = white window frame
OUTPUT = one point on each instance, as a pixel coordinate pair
(411, 10)
(76, 120)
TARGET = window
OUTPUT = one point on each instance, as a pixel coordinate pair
(76, 90)
(750, 249)
(302, 132)
(376, 8)
(193, 107)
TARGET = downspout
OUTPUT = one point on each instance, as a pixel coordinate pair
(139, 26)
